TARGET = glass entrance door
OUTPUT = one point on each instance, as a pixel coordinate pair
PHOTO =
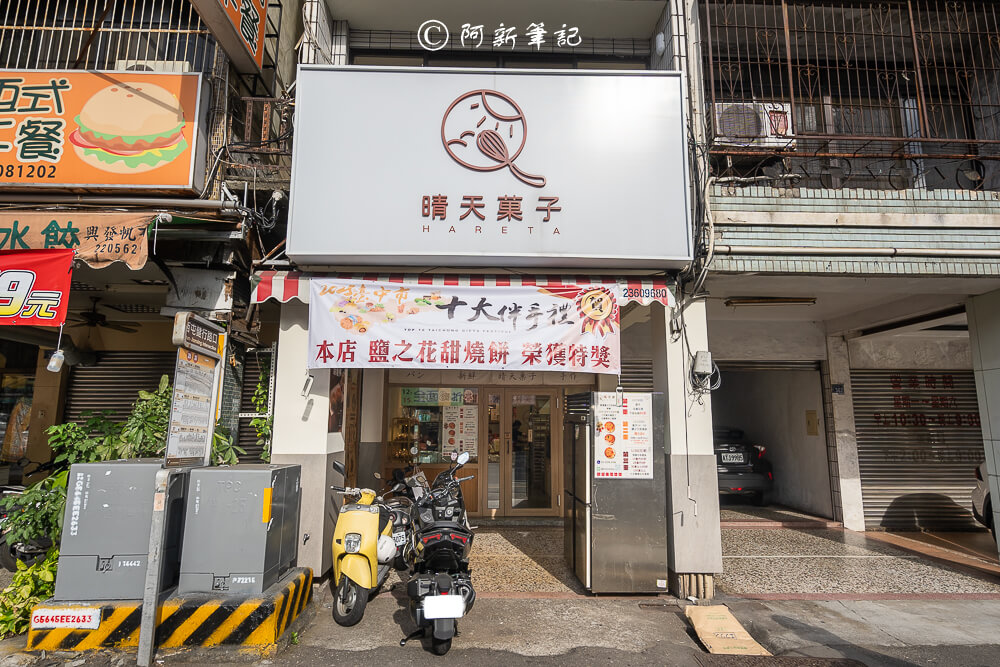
(521, 458)
(530, 463)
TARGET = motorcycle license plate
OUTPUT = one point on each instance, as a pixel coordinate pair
(399, 539)
(732, 458)
(444, 606)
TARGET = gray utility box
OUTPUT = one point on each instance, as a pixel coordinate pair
(105, 540)
(241, 528)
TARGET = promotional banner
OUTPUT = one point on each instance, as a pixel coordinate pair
(34, 287)
(367, 324)
(128, 130)
(99, 239)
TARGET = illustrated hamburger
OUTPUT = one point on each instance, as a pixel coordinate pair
(129, 128)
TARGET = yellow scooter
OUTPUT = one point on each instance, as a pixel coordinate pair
(367, 538)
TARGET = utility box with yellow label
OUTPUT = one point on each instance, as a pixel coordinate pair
(241, 528)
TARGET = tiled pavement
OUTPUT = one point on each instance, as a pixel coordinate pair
(519, 559)
(823, 560)
(812, 559)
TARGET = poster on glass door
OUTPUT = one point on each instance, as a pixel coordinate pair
(623, 445)
(460, 429)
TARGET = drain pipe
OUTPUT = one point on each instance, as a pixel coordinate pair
(835, 252)
(151, 202)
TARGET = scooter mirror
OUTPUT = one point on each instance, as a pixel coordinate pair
(376, 475)
(339, 467)
(463, 458)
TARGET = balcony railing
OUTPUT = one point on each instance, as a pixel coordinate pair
(95, 34)
(837, 99)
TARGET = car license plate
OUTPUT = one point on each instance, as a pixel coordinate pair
(399, 539)
(732, 458)
(444, 606)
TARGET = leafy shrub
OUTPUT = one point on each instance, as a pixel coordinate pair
(30, 586)
(224, 452)
(263, 423)
(144, 432)
(101, 438)
(38, 512)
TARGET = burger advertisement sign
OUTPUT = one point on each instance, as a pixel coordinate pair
(122, 130)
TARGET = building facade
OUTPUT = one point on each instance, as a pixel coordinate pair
(835, 187)
(378, 419)
(161, 219)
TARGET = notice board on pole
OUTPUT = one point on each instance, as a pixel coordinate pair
(196, 381)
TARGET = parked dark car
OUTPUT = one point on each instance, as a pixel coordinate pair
(743, 469)
(982, 506)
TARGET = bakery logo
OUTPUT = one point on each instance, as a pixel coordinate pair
(484, 130)
(129, 128)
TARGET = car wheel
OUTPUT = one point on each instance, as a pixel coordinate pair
(760, 499)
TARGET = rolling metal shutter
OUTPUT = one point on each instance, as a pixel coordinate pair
(114, 382)
(919, 442)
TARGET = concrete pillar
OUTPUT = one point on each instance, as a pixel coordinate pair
(849, 472)
(695, 540)
(984, 339)
(300, 434)
(370, 447)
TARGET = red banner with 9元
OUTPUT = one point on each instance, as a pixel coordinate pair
(34, 286)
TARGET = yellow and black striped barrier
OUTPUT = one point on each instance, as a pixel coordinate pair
(255, 622)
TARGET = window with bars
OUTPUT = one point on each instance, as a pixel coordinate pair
(888, 95)
(97, 34)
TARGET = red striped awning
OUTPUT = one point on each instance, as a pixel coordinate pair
(284, 286)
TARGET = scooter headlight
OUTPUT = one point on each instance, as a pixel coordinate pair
(352, 543)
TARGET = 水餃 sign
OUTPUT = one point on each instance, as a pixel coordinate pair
(34, 287)
(124, 130)
(558, 327)
(99, 239)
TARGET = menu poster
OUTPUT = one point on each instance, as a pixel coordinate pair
(459, 429)
(623, 445)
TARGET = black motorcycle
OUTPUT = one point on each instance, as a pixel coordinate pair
(440, 588)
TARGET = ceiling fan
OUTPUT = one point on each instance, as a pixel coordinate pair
(92, 318)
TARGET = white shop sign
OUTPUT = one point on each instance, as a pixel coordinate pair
(438, 166)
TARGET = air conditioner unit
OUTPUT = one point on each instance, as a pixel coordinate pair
(174, 66)
(754, 125)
